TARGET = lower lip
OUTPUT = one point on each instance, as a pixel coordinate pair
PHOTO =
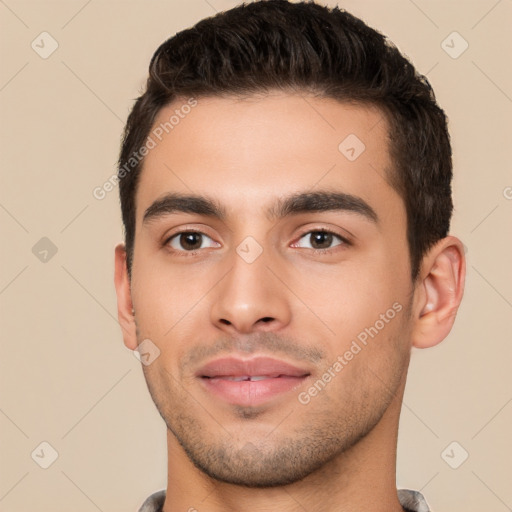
(251, 393)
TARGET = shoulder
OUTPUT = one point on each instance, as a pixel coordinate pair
(413, 501)
(154, 503)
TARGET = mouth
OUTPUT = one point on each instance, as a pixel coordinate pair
(250, 382)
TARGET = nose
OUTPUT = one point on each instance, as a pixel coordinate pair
(250, 298)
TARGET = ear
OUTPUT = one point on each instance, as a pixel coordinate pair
(124, 299)
(438, 292)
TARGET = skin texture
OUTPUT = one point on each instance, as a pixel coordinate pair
(297, 301)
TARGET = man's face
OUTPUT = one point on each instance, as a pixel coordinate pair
(293, 269)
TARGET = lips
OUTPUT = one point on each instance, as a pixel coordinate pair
(250, 382)
(257, 367)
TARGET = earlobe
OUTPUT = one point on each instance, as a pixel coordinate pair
(439, 292)
(124, 300)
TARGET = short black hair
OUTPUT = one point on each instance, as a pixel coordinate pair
(278, 45)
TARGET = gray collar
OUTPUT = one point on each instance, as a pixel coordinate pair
(412, 501)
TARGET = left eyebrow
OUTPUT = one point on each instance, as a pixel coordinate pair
(322, 202)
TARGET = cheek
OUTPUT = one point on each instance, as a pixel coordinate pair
(169, 299)
(349, 295)
(159, 300)
(363, 301)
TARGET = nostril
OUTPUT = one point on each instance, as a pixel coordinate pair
(224, 321)
(266, 319)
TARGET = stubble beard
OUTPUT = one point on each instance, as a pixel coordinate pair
(288, 453)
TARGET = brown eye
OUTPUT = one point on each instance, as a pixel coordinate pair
(191, 241)
(319, 240)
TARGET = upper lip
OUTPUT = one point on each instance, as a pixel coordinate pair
(257, 366)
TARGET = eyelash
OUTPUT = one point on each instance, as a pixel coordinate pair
(344, 241)
(183, 252)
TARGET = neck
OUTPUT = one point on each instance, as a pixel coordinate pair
(361, 478)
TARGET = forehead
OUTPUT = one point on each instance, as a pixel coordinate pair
(246, 152)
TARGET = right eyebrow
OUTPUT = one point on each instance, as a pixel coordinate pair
(179, 203)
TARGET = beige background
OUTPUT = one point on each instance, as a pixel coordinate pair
(66, 377)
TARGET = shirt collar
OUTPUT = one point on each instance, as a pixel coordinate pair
(412, 501)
